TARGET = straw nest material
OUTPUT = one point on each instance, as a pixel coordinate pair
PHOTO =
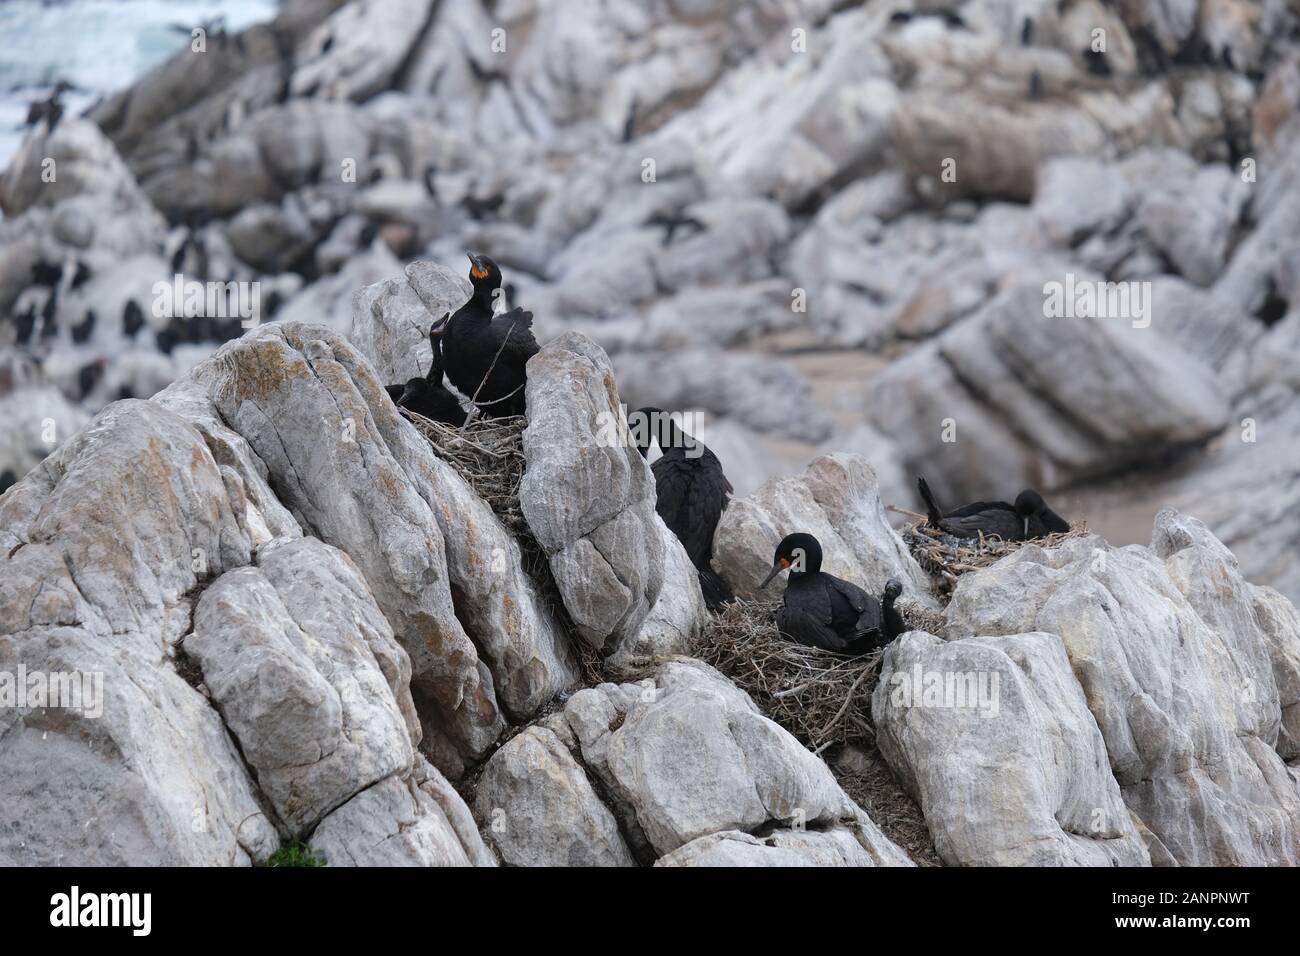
(946, 558)
(489, 455)
(821, 697)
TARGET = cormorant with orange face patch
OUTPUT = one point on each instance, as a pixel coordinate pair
(485, 355)
(821, 610)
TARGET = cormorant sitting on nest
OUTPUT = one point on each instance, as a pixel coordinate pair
(486, 354)
(690, 494)
(1029, 517)
(821, 610)
(426, 395)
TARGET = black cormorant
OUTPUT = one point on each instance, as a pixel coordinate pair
(690, 494)
(427, 396)
(484, 354)
(1029, 517)
(821, 610)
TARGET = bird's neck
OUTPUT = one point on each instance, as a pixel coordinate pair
(483, 297)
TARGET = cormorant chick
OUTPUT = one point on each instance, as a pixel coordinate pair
(427, 396)
(1029, 517)
(821, 610)
(691, 492)
(485, 354)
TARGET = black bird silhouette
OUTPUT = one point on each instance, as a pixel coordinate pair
(821, 610)
(485, 355)
(691, 492)
(427, 396)
(1029, 517)
(50, 110)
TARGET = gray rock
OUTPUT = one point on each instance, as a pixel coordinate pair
(307, 676)
(686, 754)
(414, 819)
(1008, 767)
(391, 319)
(153, 779)
(539, 809)
(1189, 714)
(587, 493)
(1022, 389)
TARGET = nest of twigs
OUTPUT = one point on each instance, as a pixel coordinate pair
(946, 558)
(821, 697)
(489, 454)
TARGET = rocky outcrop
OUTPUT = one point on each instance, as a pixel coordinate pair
(1189, 706)
(680, 761)
(588, 494)
(994, 739)
(1022, 389)
(837, 500)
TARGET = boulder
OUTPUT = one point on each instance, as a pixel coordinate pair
(1190, 714)
(993, 738)
(539, 808)
(307, 676)
(837, 500)
(588, 494)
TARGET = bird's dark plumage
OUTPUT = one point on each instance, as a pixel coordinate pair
(1029, 517)
(428, 397)
(821, 610)
(485, 354)
(691, 492)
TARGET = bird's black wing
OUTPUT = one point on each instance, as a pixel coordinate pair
(1054, 523)
(515, 328)
(1003, 523)
(854, 607)
(691, 494)
(978, 507)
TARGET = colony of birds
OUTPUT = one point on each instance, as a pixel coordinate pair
(809, 661)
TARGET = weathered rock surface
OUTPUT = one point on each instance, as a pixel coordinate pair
(415, 819)
(665, 768)
(307, 676)
(1189, 709)
(359, 477)
(837, 500)
(156, 779)
(539, 808)
(994, 739)
(588, 494)
(1024, 391)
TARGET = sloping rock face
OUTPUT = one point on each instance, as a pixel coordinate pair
(588, 494)
(293, 653)
(994, 739)
(662, 770)
(391, 319)
(1185, 690)
(837, 500)
(1024, 390)
(359, 477)
(98, 563)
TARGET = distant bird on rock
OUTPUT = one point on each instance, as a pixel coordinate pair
(821, 610)
(1029, 517)
(691, 493)
(486, 354)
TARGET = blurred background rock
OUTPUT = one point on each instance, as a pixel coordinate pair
(798, 152)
